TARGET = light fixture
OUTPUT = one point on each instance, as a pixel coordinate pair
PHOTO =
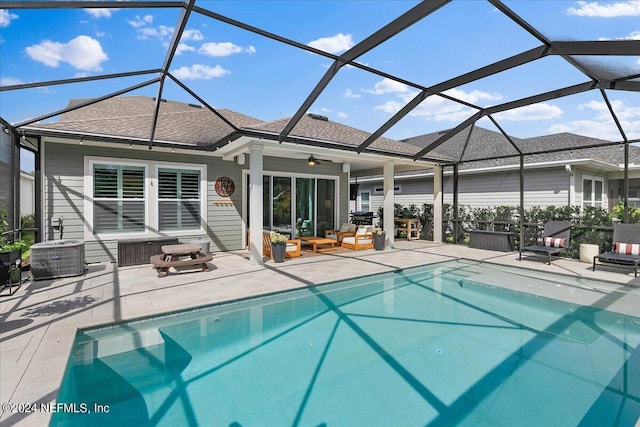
(82, 140)
(312, 161)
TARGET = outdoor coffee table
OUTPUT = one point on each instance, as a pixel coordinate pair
(315, 241)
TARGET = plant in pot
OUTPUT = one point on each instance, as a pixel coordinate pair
(10, 254)
(378, 238)
(278, 246)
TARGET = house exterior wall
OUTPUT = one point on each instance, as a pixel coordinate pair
(543, 187)
(64, 185)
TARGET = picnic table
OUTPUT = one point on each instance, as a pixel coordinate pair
(180, 256)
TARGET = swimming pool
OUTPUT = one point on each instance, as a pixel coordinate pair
(444, 344)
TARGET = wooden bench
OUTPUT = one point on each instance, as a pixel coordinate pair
(172, 254)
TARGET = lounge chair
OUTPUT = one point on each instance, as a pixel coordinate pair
(555, 239)
(292, 250)
(626, 247)
(346, 230)
(363, 239)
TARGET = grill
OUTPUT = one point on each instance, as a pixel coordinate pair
(362, 218)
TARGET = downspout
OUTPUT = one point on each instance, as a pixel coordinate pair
(572, 185)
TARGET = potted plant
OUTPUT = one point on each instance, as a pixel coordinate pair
(10, 254)
(378, 238)
(278, 246)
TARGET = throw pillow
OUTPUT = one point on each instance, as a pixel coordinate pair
(627, 248)
(344, 228)
(555, 242)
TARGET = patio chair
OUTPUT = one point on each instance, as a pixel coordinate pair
(362, 239)
(555, 239)
(345, 230)
(292, 250)
(626, 247)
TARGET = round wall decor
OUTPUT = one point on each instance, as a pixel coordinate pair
(224, 186)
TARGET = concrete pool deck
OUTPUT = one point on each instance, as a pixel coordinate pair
(38, 323)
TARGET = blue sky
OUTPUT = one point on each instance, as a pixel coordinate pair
(238, 70)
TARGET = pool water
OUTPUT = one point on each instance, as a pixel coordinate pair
(444, 344)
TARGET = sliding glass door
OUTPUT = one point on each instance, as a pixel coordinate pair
(305, 207)
(297, 206)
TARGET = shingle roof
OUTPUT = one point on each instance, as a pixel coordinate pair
(486, 143)
(132, 116)
(327, 130)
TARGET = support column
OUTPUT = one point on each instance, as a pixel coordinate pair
(437, 204)
(255, 200)
(456, 223)
(521, 207)
(388, 204)
(626, 182)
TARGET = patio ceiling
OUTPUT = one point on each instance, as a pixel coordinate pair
(600, 68)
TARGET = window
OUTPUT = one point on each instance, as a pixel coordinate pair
(178, 199)
(131, 199)
(364, 201)
(118, 198)
(592, 189)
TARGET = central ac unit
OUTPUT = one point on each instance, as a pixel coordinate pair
(57, 258)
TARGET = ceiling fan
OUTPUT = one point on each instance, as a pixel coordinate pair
(313, 161)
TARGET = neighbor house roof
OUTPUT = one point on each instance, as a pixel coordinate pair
(488, 144)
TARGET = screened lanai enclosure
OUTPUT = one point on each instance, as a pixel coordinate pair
(483, 113)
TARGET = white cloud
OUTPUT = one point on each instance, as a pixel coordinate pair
(183, 47)
(146, 30)
(540, 111)
(101, 13)
(390, 107)
(10, 81)
(195, 35)
(83, 53)
(200, 72)
(592, 128)
(473, 97)
(343, 115)
(601, 125)
(6, 17)
(349, 94)
(387, 86)
(439, 109)
(620, 108)
(161, 32)
(141, 22)
(223, 49)
(611, 10)
(335, 44)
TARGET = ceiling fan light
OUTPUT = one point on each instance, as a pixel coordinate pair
(312, 161)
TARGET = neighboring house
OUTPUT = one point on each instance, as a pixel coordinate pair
(27, 193)
(104, 184)
(579, 176)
